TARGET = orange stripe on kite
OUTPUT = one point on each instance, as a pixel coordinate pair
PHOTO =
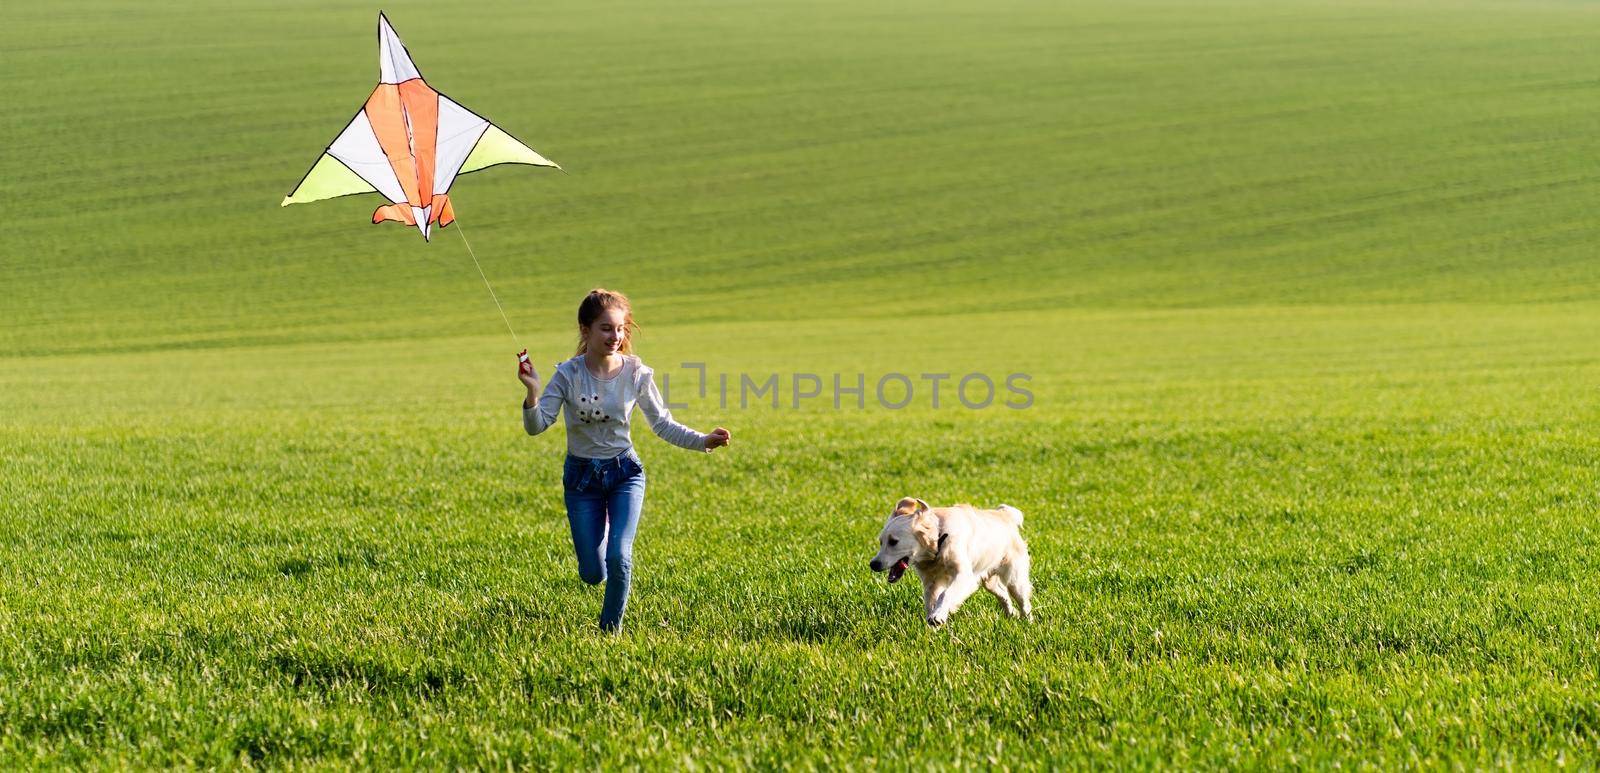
(389, 124)
(421, 104)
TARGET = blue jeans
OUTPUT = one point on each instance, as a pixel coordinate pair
(604, 500)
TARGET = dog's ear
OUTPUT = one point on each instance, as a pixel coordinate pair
(925, 528)
(910, 506)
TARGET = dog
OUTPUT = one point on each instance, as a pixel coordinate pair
(955, 550)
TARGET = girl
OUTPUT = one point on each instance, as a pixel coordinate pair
(604, 477)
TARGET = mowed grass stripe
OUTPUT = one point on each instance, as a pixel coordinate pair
(1093, 156)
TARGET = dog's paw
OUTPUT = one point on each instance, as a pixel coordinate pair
(938, 618)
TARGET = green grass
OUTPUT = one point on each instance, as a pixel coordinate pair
(1306, 293)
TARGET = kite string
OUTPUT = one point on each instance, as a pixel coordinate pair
(496, 298)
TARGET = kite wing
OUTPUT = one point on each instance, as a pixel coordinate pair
(408, 142)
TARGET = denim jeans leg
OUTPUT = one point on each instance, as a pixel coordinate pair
(624, 507)
(586, 515)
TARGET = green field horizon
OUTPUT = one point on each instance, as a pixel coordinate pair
(1303, 293)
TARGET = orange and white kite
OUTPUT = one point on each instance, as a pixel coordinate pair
(408, 142)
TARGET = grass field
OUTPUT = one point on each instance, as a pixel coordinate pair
(1306, 292)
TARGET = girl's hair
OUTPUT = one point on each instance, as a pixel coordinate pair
(598, 300)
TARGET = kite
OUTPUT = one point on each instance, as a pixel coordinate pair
(409, 143)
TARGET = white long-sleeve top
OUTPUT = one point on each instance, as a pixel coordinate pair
(598, 409)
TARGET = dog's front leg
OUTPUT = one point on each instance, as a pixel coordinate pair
(932, 590)
(960, 588)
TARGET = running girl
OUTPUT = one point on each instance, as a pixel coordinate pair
(604, 477)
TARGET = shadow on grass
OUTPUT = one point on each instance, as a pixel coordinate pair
(337, 671)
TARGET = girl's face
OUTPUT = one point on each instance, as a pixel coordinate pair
(606, 334)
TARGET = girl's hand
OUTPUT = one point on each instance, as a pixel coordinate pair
(719, 437)
(525, 372)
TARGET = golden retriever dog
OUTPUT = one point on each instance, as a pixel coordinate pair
(954, 550)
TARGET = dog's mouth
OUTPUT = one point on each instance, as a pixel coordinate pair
(899, 569)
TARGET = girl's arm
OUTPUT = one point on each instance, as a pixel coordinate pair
(539, 410)
(665, 427)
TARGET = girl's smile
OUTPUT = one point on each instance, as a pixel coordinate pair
(608, 331)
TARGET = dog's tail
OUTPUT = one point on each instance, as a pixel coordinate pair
(1016, 515)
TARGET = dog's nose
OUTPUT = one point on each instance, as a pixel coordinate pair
(876, 567)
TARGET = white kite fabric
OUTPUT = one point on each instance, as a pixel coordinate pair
(409, 143)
